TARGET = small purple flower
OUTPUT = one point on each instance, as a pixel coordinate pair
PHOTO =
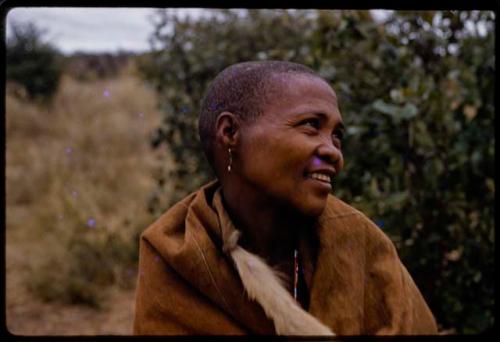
(106, 93)
(91, 223)
(68, 150)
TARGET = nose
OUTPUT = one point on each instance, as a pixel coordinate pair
(329, 153)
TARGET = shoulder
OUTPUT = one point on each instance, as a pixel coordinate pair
(341, 217)
(171, 218)
(337, 211)
(336, 208)
(172, 222)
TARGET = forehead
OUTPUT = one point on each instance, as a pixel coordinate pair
(290, 93)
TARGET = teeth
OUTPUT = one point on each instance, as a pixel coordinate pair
(321, 177)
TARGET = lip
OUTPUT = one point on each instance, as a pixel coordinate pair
(322, 186)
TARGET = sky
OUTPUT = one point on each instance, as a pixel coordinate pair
(97, 29)
(92, 29)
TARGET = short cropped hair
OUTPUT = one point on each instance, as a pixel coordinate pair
(242, 89)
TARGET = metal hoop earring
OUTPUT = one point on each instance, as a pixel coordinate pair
(230, 160)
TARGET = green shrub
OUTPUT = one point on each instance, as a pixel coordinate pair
(416, 93)
(32, 62)
(88, 67)
(83, 265)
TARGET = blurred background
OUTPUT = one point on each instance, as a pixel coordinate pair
(101, 137)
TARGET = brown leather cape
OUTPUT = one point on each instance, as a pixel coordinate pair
(356, 281)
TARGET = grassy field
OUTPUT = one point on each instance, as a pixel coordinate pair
(78, 176)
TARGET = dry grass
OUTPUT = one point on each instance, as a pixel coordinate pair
(82, 166)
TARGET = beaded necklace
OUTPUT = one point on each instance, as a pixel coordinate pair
(295, 272)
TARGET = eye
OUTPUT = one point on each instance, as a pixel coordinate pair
(311, 122)
(338, 134)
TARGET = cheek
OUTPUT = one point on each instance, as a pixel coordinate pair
(275, 164)
(280, 164)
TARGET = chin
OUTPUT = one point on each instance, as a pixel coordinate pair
(313, 208)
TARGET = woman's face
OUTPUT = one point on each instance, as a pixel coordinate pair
(292, 152)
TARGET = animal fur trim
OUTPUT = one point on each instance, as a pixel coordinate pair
(263, 285)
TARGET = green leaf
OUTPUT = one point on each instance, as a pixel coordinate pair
(385, 108)
(408, 111)
(396, 112)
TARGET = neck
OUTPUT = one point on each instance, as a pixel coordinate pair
(268, 230)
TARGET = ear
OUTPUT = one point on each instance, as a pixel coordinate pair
(227, 129)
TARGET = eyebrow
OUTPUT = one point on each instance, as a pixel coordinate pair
(340, 125)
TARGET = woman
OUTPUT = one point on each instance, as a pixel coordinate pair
(266, 249)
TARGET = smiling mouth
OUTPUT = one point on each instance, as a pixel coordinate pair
(320, 176)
